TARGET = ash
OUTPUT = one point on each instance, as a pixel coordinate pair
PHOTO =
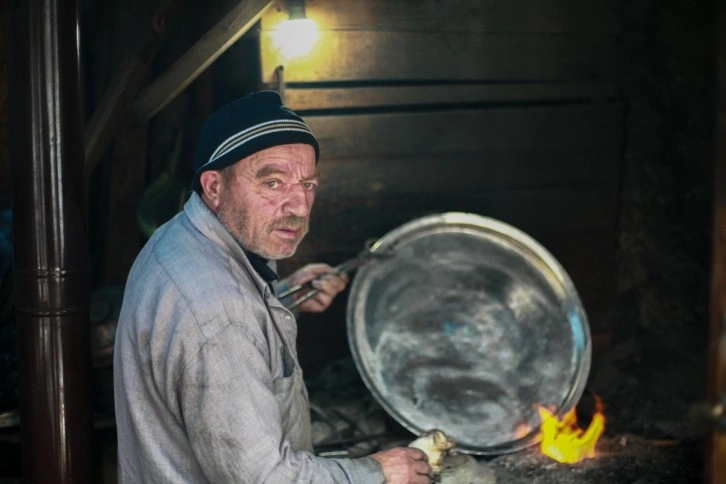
(621, 459)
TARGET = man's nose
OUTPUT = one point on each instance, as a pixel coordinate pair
(299, 201)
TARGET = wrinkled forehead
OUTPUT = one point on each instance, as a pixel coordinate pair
(294, 159)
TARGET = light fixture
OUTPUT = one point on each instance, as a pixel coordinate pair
(296, 37)
(296, 9)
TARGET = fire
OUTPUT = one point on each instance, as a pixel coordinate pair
(522, 430)
(564, 441)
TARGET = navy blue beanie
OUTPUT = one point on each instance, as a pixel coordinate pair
(246, 126)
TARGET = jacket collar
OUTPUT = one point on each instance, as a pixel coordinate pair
(212, 228)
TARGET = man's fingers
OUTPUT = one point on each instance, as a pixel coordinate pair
(322, 301)
(419, 454)
(330, 283)
(404, 465)
(421, 467)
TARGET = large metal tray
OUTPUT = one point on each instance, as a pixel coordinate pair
(467, 328)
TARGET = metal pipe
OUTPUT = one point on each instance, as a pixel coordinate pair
(51, 260)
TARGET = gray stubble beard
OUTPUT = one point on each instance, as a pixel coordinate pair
(289, 221)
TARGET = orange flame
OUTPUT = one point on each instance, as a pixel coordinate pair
(522, 430)
(564, 441)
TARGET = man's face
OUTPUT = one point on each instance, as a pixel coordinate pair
(265, 199)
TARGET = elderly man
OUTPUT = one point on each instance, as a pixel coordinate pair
(208, 387)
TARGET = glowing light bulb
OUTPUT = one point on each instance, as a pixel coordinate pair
(295, 38)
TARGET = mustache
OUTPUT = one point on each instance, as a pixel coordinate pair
(291, 221)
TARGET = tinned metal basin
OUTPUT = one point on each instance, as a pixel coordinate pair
(468, 328)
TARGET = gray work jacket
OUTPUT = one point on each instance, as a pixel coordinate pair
(206, 377)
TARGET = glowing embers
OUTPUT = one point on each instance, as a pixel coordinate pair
(564, 441)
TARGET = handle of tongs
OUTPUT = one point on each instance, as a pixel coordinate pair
(343, 268)
(312, 292)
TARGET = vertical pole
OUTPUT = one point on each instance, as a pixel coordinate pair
(50, 243)
(715, 471)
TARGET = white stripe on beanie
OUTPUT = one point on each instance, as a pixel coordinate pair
(253, 132)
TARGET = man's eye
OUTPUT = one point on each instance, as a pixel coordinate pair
(309, 185)
(272, 184)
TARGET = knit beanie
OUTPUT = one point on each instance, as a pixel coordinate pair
(246, 126)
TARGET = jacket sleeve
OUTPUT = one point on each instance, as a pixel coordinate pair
(229, 403)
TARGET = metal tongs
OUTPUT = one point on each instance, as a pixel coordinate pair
(364, 257)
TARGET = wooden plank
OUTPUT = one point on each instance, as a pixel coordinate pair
(430, 56)
(205, 51)
(533, 132)
(431, 175)
(533, 16)
(346, 222)
(305, 99)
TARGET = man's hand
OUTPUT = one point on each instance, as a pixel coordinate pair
(404, 465)
(324, 279)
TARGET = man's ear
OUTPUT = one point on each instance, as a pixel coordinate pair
(211, 183)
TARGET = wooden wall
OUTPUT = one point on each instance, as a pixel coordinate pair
(508, 109)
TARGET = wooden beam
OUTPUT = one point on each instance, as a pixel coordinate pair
(301, 99)
(537, 211)
(205, 51)
(533, 131)
(360, 178)
(124, 86)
